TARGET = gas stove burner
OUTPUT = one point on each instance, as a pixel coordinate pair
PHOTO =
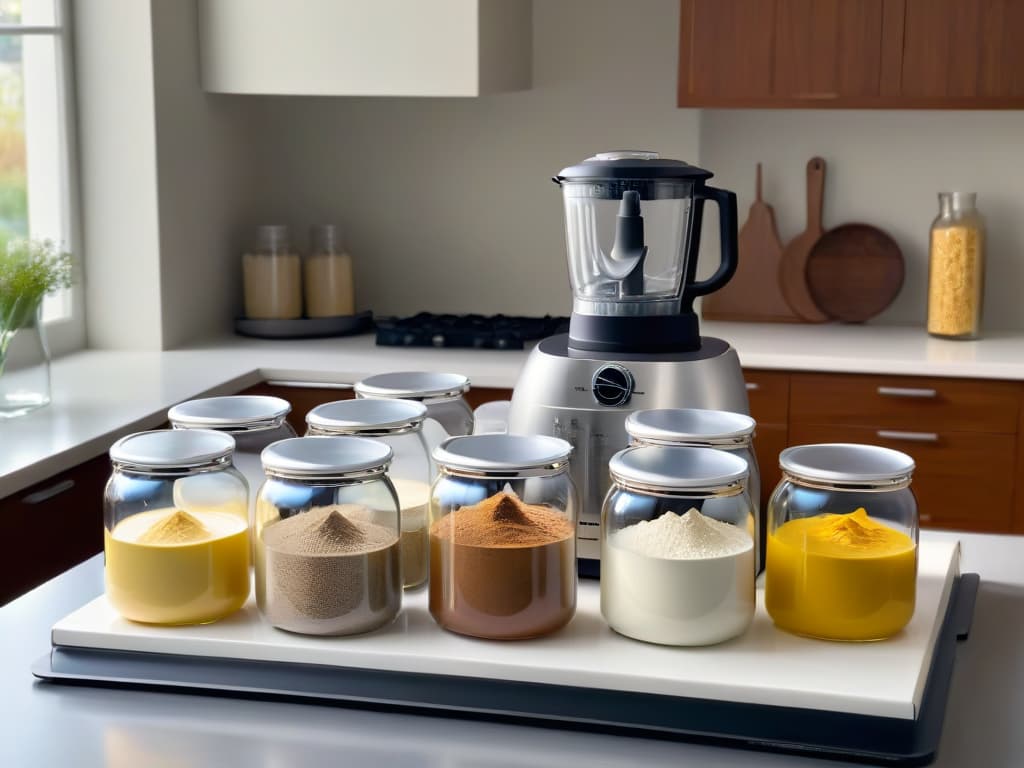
(472, 331)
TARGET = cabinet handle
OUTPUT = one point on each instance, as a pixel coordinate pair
(921, 393)
(752, 386)
(308, 384)
(45, 494)
(913, 437)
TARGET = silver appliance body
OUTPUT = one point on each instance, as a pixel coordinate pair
(585, 399)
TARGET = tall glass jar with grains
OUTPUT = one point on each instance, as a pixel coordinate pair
(956, 275)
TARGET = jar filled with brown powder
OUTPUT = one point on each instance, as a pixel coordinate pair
(503, 536)
(328, 558)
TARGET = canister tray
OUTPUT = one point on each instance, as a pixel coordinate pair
(766, 690)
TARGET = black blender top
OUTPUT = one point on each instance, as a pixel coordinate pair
(630, 164)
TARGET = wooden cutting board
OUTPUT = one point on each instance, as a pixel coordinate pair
(753, 294)
(793, 263)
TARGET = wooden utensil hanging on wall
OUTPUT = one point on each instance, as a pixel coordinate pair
(792, 274)
(753, 294)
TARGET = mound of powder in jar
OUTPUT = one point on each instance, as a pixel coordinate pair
(503, 521)
(690, 536)
(179, 527)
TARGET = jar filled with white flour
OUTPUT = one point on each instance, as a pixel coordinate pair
(677, 557)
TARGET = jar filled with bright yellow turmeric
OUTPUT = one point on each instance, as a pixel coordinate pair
(842, 542)
(956, 268)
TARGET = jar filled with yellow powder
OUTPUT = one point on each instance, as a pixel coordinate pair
(956, 271)
(842, 542)
(176, 531)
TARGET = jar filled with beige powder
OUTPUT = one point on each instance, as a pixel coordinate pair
(272, 277)
(503, 536)
(329, 288)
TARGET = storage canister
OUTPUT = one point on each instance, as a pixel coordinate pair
(956, 268)
(442, 393)
(255, 421)
(272, 276)
(702, 428)
(503, 536)
(677, 556)
(842, 542)
(399, 424)
(327, 536)
(176, 533)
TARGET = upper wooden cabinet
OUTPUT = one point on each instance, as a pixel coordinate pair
(895, 54)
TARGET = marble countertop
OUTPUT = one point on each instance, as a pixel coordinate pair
(100, 395)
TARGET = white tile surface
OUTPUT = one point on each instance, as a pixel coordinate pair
(764, 666)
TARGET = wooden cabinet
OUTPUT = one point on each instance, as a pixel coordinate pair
(52, 526)
(768, 392)
(885, 54)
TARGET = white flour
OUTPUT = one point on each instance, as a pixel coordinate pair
(678, 580)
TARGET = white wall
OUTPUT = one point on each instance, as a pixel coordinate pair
(885, 168)
(447, 203)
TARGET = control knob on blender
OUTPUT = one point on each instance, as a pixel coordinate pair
(612, 385)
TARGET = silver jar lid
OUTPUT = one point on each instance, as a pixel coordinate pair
(172, 449)
(329, 456)
(676, 468)
(497, 455)
(367, 416)
(847, 464)
(235, 412)
(675, 426)
(413, 385)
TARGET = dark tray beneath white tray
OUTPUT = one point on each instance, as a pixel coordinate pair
(305, 327)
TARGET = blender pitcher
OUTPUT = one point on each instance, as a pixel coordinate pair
(632, 232)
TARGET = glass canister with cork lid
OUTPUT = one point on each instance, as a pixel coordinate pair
(442, 393)
(272, 276)
(702, 428)
(677, 554)
(503, 536)
(176, 533)
(842, 542)
(956, 270)
(399, 424)
(327, 536)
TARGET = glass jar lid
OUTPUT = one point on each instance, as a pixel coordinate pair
(497, 455)
(413, 385)
(172, 449)
(676, 468)
(847, 464)
(235, 412)
(367, 416)
(672, 426)
(329, 456)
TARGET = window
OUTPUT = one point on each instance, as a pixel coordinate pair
(36, 157)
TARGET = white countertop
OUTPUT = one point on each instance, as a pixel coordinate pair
(99, 396)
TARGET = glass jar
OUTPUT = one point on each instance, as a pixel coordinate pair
(503, 536)
(328, 275)
(956, 268)
(272, 277)
(701, 428)
(176, 533)
(255, 421)
(327, 537)
(677, 555)
(399, 424)
(842, 542)
(442, 393)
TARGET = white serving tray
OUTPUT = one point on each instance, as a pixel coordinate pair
(763, 667)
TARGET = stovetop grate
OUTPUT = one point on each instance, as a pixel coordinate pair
(467, 331)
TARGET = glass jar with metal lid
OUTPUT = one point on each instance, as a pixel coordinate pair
(842, 542)
(677, 554)
(702, 428)
(255, 421)
(503, 536)
(442, 393)
(176, 532)
(399, 424)
(327, 536)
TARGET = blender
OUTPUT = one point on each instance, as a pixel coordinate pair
(632, 223)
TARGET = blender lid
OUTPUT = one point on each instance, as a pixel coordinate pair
(677, 468)
(689, 425)
(630, 164)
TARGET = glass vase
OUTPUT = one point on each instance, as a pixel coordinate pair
(24, 361)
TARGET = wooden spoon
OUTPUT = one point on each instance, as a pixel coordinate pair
(793, 263)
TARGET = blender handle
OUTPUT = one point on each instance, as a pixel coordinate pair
(726, 202)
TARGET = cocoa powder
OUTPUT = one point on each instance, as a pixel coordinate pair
(502, 569)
